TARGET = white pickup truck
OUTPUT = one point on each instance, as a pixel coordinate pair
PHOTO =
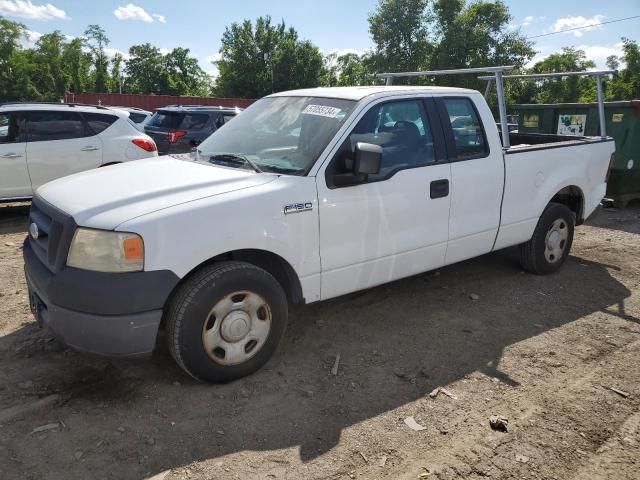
(305, 196)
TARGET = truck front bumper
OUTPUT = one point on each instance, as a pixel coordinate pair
(111, 314)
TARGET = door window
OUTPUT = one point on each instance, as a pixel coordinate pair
(468, 135)
(402, 130)
(11, 128)
(45, 126)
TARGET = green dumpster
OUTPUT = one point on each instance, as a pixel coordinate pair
(623, 124)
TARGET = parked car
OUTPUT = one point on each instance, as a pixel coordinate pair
(306, 196)
(42, 142)
(137, 115)
(180, 128)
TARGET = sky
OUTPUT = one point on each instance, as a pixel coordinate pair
(332, 25)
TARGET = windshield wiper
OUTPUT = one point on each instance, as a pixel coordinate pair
(232, 157)
(284, 170)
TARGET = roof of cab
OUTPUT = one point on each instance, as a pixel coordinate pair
(358, 93)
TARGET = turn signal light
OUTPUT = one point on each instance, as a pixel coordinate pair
(133, 248)
(145, 144)
(172, 137)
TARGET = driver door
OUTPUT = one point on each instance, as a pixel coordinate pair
(396, 223)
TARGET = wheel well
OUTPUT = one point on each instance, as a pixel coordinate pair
(277, 266)
(573, 198)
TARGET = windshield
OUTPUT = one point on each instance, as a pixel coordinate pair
(278, 134)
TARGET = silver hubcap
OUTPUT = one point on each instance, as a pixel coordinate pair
(556, 241)
(236, 328)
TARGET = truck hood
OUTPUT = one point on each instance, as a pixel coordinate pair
(106, 197)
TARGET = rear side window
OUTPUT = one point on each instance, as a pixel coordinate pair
(45, 126)
(468, 135)
(228, 117)
(179, 120)
(12, 128)
(98, 122)
(137, 117)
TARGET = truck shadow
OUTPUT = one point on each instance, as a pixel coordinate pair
(14, 217)
(625, 220)
(396, 343)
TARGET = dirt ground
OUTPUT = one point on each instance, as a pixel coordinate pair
(543, 352)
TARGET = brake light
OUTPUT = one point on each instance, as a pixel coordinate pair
(145, 144)
(172, 137)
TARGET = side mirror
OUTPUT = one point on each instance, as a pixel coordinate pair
(368, 158)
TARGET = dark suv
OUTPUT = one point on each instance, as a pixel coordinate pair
(179, 128)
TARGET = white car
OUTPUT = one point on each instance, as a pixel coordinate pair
(137, 115)
(307, 195)
(42, 142)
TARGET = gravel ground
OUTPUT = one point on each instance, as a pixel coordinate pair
(545, 353)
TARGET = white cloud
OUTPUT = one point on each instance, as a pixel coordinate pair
(527, 21)
(136, 13)
(597, 53)
(585, 24)
(111, 52)
(29, 38)
(26, 9)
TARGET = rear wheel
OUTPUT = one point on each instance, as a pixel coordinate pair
(226, 321)
(549, 247)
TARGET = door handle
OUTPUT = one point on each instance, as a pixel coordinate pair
(11, 155)
(89, 149)
(439, 188)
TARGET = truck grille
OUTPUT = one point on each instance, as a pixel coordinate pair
(55, 232)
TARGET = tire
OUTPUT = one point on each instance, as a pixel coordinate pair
(551, 242)
(226, 321)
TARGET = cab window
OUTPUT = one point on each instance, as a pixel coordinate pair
(402, 130)
(468, 136)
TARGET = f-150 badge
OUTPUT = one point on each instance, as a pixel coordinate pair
(297, 207)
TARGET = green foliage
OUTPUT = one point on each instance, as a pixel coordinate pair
(400, 32)
(411, 35)
(626, 85)
(256, 61)
(97, 41)
(176, 73)
(77, 64)
(567, 90)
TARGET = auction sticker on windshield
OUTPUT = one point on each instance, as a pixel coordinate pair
(321, 110)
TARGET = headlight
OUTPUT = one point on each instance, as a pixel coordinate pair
(106, 251)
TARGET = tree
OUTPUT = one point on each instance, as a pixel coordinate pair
(400, 33)
(48, 74)
(116, 73)
(565, 90)
(268, 58)
(626, 85)
(97, 41)
(10, 33)
(77, 65)
(183, 74)
(475, 35)
(145, 69)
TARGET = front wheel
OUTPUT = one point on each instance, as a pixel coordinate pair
(551, 242)
(226, 321)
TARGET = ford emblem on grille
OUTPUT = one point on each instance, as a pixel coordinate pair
(33, 231)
